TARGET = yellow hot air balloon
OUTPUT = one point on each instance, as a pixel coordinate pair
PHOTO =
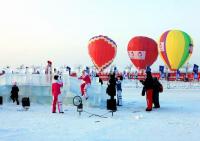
(175, 48)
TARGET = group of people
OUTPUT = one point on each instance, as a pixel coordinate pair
(56, 93)
(115, 87)
(152, 87)
(58, 84)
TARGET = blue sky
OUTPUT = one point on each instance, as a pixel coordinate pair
(33, 31)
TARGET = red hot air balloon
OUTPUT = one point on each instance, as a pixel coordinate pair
(142, 51)
(102, 51)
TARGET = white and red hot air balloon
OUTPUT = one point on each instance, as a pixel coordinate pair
(142, 51)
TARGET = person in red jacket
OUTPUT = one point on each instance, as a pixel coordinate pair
(86, 81)
(56, 93)
(148, 86)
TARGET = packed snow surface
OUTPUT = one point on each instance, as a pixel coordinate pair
(178, 119)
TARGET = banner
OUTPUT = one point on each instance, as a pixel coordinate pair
(68, 69)
(195, 68)
(178, 73)
(148, 69)
(87, 70)
(161, 70)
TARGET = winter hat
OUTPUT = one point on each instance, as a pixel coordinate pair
(14, 83)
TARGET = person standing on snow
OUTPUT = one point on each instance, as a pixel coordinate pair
(86, 82)
(119, 91)
(148, 85)
(56, 93)
(14, 93)
(156, 89)
(111, 89)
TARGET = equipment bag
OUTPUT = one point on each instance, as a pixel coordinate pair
(1, 100)
(25, 102)
(111, 104)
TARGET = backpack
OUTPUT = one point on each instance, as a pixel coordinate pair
(160, 89)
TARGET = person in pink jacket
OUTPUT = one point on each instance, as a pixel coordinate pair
(56, 93)
(86, 81)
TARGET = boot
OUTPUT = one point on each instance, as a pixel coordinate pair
(148, 110)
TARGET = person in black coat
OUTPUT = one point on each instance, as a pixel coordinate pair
(156, 90)
(14, 93)
(148, 87)
(111, 91)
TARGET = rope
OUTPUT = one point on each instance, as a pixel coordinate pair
(93, 114)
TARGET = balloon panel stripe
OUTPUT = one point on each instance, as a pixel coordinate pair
(162, 49)
(174, 45)
(186, 49)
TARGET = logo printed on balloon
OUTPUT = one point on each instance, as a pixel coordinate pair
(140, 55)
(102, 51)
(162, 46)
(191, 49)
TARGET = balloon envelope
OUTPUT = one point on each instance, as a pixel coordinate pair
(102, 51)
(142, 51)
(175, 48)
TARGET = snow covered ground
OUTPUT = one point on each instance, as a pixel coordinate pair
(177, 120)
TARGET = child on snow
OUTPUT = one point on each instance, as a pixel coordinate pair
(56, 93)
(14, 93)
(119, 91)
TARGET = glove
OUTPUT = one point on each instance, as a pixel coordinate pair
(143, 91)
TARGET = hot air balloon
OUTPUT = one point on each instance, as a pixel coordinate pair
(102, 51)
(142, 51)
(175, 48)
